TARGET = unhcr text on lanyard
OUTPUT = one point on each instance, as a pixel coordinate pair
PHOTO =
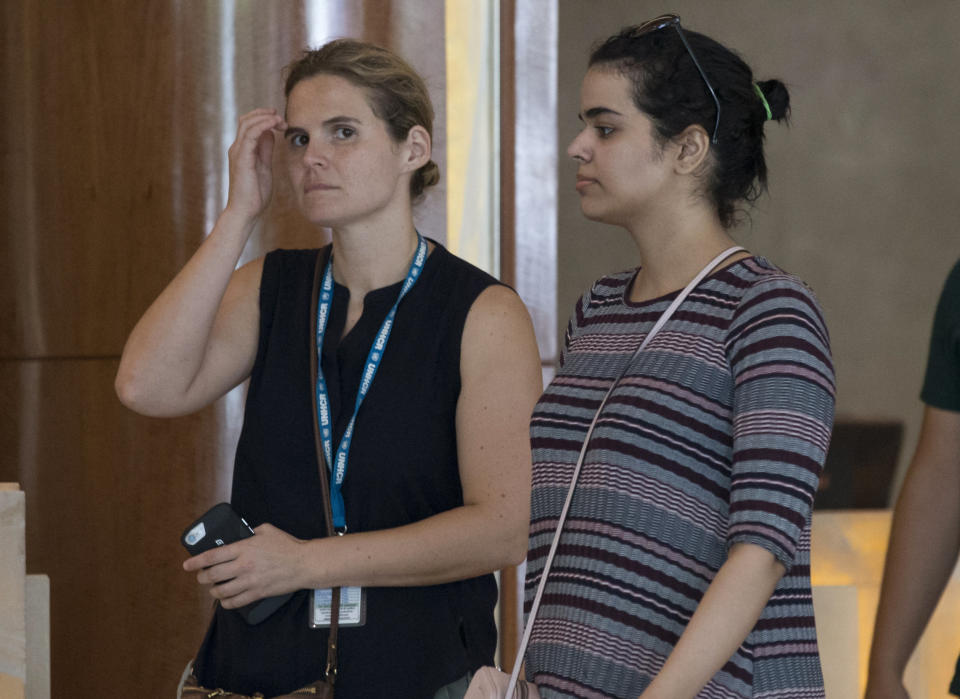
(338, 466)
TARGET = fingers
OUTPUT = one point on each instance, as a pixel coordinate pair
(231, 594)
(257, 119)
(219, 574)
(231, 552)
(232, 584)
(221, 554)
(259, 111)
(264, 149)
(252, 126)
(226, 572)
(250, 158)
(232, 601)
(251, 569)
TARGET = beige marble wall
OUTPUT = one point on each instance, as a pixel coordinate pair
(37, 601)
(846, 569)
(24, 608)
(863, 185)
(13, 643)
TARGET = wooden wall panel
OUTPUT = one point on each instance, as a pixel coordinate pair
(95, 175)
(113, 138)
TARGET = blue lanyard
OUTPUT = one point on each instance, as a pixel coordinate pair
(339, 467)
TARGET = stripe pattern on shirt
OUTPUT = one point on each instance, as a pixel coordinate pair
(716, 435)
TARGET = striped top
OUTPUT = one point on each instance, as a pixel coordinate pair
(716, 435)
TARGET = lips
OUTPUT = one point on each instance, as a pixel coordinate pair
(584, 182)
(317, 187)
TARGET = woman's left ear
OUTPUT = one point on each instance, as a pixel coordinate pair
(694, 146)
(418, 147)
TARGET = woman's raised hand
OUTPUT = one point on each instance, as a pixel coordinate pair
(251, 162)
(199, 338)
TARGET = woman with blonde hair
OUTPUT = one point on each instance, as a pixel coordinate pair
(427, 374)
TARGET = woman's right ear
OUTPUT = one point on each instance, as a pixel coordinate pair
(419, 147)
(693, 148)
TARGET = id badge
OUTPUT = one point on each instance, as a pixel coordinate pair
(353, 607)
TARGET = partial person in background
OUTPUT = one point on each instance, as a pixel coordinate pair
(683, 567)
(925, 535)
(436, 478)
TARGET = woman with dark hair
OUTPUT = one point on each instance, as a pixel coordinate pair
(428, 372)
(682, 568)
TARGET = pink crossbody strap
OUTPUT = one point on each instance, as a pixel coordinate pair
(664, 317)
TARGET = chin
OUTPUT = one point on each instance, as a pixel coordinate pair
(592, 213)
(323, 217)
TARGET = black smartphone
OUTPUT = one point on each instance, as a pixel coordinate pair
(219, 526)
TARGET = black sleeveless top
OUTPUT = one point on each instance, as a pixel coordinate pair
(402, 468)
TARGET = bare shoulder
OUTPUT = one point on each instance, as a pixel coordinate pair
(498, 307)
(498, 336)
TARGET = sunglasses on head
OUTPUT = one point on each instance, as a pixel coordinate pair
(664, 21)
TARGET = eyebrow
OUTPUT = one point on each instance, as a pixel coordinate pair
(594, 112)
(328, 122)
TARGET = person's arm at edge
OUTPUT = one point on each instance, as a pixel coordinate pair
(501, 382)
(923, 548)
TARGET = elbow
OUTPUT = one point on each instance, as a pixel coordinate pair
(127, 389)
(517, 556)
(506, 537)
(515, 548)
(505, 548)
(136, 393)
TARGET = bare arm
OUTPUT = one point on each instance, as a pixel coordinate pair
(924, 543)
(728, 611)
(500, 373)
(199, 338)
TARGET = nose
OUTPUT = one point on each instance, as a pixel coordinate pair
(578, 148)
(316, 153)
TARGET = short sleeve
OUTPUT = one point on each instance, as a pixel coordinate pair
(567, 335)
(573, 325)
(941, 385)
(784, 393)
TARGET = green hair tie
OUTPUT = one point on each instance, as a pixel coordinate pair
(763, 100)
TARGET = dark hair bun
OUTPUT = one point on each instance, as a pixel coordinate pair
(777, 97)
(426, 176)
